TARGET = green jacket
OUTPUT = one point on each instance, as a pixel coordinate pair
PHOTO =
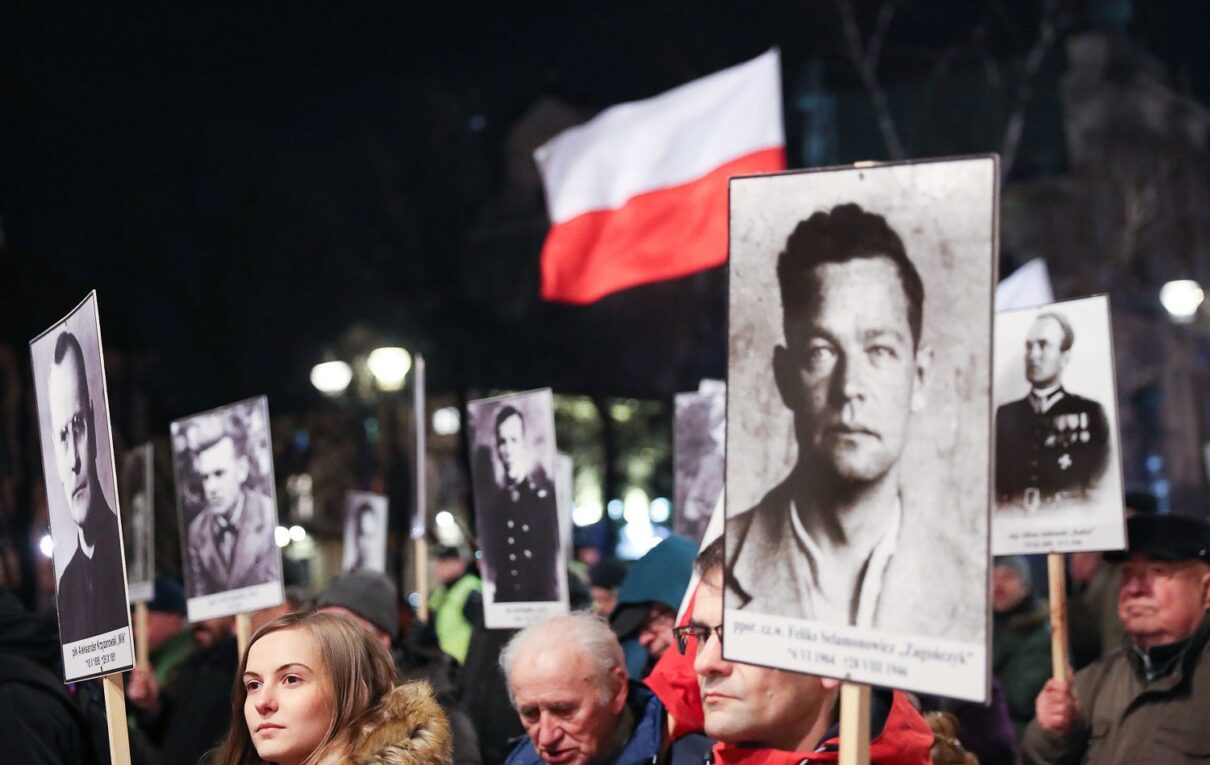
(1127, 719)
(453, 629)
(1021, 659)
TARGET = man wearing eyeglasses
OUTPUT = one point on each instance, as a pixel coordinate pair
(1147, 701)
(749, 708)
(92, 590)
(836, 541)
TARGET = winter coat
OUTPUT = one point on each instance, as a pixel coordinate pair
(1021, 658)
(406, 728)
(899, 735)
(1128, 719)
(645, 742)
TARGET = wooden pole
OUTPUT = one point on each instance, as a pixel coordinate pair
(854, 724)
(143, 650)
(115, 719)
(422, 578)
(1058, 616)
(243, 632)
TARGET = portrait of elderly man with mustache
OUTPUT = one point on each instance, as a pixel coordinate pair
(838, 540)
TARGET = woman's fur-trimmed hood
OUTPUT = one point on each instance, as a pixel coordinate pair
(406, 728)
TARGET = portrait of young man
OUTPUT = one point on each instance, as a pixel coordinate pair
(77, 456)
(365, 532)
(515, 498)
(228, 507)
(859, 398)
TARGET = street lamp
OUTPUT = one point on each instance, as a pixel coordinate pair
(1181, 299)
(390, 366)
(331, 378)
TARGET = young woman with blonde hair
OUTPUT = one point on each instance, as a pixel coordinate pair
(319, 689)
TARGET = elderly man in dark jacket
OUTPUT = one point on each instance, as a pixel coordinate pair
(1148, 701)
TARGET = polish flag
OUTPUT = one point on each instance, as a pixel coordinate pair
(639, 193)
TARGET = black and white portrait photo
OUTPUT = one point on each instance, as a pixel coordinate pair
(516, 508)
(699, 437)
(365, 532)
(1058, 484)
(136, 490)
(223, 462)
(82, 495)
(859, 422)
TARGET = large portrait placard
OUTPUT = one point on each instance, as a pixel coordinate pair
(1058, 470)
(365, 532)
(227, 504)
(136, 488)
(859, 423)
(82, 495)
(516, 508)
(699, 436)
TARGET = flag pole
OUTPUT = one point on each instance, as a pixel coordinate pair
(420, 543)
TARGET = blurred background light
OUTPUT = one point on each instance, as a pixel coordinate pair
(447, 421)
(587, 513)
(331, 378)
(661, 510)
(297, 533)
(46, 545)
(281, 535)
(445, 519)
(1181, 299)
(390, 366)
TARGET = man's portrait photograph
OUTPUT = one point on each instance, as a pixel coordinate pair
(1058, 481)
(223, 462)
(699, 435)
(516, 507)
(859, 419)
(365, 532)
(137, 498)
(81, 491)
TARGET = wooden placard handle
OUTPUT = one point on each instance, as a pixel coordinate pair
(115, 719)
(1057, 576)
(854, 724)
(142, 649)
(422, 578)
(243, 632)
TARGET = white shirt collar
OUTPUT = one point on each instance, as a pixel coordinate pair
(1045, 398)
(85, 548)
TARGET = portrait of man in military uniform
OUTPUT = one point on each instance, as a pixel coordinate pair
(516, 502)
(1052, 445)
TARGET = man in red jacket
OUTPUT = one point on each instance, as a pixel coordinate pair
(766, 716)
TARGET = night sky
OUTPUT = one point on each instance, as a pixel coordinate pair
(242, 184)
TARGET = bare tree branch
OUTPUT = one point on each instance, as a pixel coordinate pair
(1015, 126)
(865, 57)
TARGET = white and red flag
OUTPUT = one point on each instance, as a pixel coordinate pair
(639, 193)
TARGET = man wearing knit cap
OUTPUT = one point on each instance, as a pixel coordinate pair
(1020, 638)
(368, 598)
(648, 601)
(1147, 701)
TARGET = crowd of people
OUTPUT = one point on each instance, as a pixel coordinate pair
(350, 675)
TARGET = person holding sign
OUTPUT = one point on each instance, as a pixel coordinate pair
(92, 593)
(1051, 446)
(754, 711)
(1146, 702)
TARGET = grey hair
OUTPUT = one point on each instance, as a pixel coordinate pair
(587, 631)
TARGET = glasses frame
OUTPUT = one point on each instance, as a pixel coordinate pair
(684, 632)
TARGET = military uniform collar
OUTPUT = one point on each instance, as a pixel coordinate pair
(1042, 399)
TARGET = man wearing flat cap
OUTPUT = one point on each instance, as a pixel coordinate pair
(1149, 701)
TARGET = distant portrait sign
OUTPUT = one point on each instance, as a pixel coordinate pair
(859, 423)
(516, 508)
(82, 495)
(227, 502)
(136, 490)
(1058, 477)
(698, 439)
(365, 532)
